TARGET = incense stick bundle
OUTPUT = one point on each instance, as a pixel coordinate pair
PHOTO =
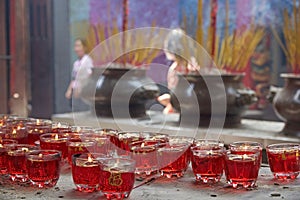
(135, 51)
(291, 31)
(237, 49)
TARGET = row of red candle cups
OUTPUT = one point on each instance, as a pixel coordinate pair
(171, 155)
(113, 176)
(29, 130)
(26, 163)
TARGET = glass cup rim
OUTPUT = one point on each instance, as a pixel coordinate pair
(142, 134)
(105, 131)
(21, 145)
(44, 136)
(278, 145)
(174, 146)
(208, 141)
(91, 135)
(129, 160)
(249, 143)
(88, 142)
(254, 153)
(98, 157)
(42, 122)
(7, 139)
(186, 139)
(52, 154)
(221, 150)
(281, 147)
(62, 124)
(82, 129)
(20, 148)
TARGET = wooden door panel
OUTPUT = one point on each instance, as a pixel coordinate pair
(3, 59)
(42, 68)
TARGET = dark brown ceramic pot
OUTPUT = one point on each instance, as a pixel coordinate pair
(119, 92)
(227, 91)
(287, 104)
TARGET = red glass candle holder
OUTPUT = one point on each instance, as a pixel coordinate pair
(76, 147)
(117, 177)
(55, 141)
(86, 171)
(183, 140)
(111, 133)
(16, 161)
(36, 128)
(14, 122)
(173, 159)
(102, 142)
(145, 157)
(3, 154)
(43, 167)
(4, 133)
(284, 160)
(246, 147)
(17, 133)
(208, 161)
(242, 170)
(125, 138)
(58, 127)
(3, 119)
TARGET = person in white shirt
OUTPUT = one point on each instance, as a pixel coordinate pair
(82, 68)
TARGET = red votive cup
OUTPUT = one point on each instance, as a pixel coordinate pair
(14, 122)
(16, 161)
(173, 159)
(15, 133)
(3, 118)
(208, 161)
(242, 170)
(111, 133)
(86, 171)
(183, 139)
(125, 138)
(246, 147)
(43, 167)
(145, 157)
(102, 142)
(58, 127)
(36, 128)
(117, 177)
(3, 154)
(76, 147)
(3, 133)
(284, 160)
(55, 141)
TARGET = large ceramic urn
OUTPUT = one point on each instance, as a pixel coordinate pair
(119, 92)
(227, 91)
(287, 104)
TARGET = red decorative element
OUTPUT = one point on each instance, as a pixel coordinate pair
(213, 16)
(125, 15)
(112, 182)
